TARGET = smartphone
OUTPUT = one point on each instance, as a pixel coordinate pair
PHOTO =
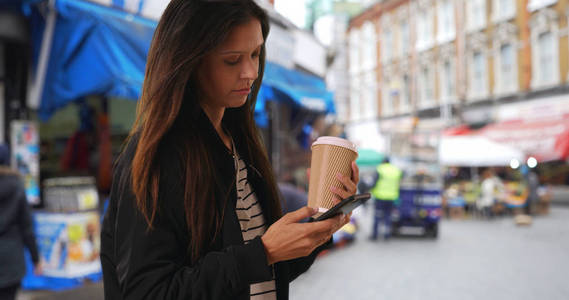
(346, 206)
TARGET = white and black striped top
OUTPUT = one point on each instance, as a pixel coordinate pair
(252, 224)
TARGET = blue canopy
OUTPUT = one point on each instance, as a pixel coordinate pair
(293, 87)
(101, 50)
(95, 50)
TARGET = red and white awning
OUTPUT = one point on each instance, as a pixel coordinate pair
(545, 139)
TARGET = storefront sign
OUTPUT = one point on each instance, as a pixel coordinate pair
(69, 244)
(25, 156)
(546, 140)
(539, 127)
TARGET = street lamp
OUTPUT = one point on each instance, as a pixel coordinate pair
(514, 163)
(532, 162)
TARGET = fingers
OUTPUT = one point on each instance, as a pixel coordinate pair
(320, 232)
(349, 189)
(329, 226)
(299, 214)
(349, 185)
(341, 193)
(355, 173)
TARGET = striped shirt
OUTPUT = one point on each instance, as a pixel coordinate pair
(252, 222)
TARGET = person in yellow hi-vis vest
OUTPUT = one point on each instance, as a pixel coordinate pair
(385, 192)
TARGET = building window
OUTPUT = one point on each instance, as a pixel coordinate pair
(478, 72)
(446, 24)
(534, 5)
(406, 94)
(507, 7)
(545, 48)
(369, 43)
(507, 71)
(394, 95)
(369, 93)
(426, 94)
(386, 102)
(387, 45)
(504, 10)
(421, 24)
(476, 14)
(404, 37)
(447, 81)
(425, 29)
(448, 76)
(354, 52)
(546, 57)
(355, 106)
(478, 75)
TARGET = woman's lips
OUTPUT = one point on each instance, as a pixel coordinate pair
(242, 91)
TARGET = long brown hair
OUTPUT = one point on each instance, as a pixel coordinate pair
(187, 31)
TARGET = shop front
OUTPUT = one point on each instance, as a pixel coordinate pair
(526, 137)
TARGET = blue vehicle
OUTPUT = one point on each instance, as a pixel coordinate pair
(420, 202)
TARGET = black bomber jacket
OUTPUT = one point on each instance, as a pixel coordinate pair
(154, 264)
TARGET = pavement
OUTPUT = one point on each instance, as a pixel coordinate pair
(88, 291)
(560, 195)
(471, 259)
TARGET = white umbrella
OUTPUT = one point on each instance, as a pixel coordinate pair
(476, 151)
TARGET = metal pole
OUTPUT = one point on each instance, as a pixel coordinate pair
(2, 93)
(47, 39)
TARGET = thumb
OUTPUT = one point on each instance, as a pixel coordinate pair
(299, 214)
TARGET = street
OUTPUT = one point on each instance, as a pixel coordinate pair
(472, 259)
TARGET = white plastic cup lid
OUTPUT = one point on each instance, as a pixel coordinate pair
(336, 141)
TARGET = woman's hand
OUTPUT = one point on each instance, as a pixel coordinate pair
(287, 239)
(38, 268)
(350, 184)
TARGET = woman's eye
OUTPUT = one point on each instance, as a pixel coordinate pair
(256, 54)
(232, 62)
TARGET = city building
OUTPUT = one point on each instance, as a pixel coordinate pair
(330, 28)
(418, 67)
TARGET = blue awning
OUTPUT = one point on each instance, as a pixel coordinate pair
(100, 50)
(295, 88)
(96, 50)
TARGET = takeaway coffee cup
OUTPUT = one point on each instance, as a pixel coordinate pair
(330, 155)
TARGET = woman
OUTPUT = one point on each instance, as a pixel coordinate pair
(194, 210)
(16, 230)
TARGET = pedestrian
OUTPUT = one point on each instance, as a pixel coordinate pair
(293, 198)
(532, 183)
(194, 209)
(16, 230)
(491, 187)
(385, 192)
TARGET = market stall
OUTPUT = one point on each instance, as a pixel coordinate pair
(464, 150)
(476, 151)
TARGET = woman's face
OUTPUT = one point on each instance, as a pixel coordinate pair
(227, 72)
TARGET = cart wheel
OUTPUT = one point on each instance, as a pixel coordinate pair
(394, 229)
(433, 230)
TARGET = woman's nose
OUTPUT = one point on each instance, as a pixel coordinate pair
(250, 70)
